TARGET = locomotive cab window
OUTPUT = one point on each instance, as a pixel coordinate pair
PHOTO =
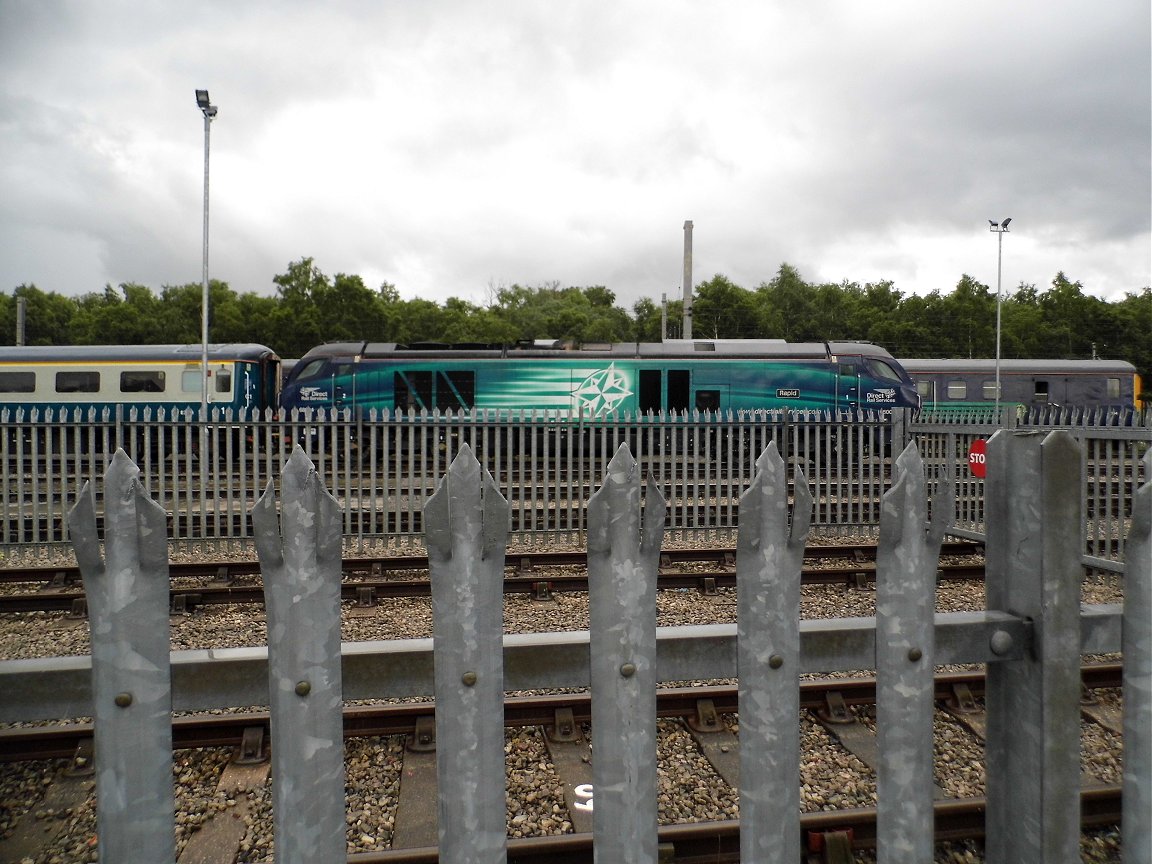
(17, 382)
(957, 389)
(142, 381)
(880, 369)
(78, 382)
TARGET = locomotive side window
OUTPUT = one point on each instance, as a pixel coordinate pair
(453, 390)
(1040, 391)
(17, 382)
(649, 390)
(1113, 388)
(142, 381)
(989, 389)
(78, 382)
(707, 400)
(678, 387)
(957, 389)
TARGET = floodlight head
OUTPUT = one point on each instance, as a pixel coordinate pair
(202, 99)
(1004, 224)
(993, 225)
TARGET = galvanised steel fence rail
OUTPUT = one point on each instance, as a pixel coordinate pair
(383, 467)
(1031, 636)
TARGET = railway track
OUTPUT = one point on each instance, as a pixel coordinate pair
(367, 580)
(704, 713)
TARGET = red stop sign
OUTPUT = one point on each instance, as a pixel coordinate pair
(976, 461)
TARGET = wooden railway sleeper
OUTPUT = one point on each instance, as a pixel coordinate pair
(830, 847)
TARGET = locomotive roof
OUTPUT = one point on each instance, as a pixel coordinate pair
(131, 353)
(1044, 366)
(702, 348)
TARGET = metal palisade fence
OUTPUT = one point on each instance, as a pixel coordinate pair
(382, 468)
(1030, 635)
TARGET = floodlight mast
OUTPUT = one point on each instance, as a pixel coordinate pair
(1000, 229)
(209, 110)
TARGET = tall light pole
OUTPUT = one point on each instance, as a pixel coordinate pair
(209, 111)
(1000, 229)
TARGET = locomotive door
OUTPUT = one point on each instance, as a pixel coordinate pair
(848, 384)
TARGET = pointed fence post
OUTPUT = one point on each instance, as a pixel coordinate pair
(131, 680)
(908, 555)
(622, 569)
(1137, 652)
(466, 531)
(300, 556)
(1035, 542)
(769, 558)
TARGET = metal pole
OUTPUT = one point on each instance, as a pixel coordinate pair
(999, 260)
(687, 334)
(209, 113)
(1000, 228)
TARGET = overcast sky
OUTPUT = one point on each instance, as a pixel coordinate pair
(453, 147)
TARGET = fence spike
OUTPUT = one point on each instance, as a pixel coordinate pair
(131, 680)
(622, 568)
(466, 524)
(1136, 641)
(769, 557)
(906, 563)
(300, 565)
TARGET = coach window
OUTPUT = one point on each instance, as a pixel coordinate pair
(989, 389)
(957, 389)
(1040, 391)
(77, 382)
(1113, 385)
(17, 382)
(223, 380)
(142, 381)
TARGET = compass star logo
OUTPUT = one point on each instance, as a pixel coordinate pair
(602, 391)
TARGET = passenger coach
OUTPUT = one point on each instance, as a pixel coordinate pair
(138, 376)
(962, 384)
(593, 381)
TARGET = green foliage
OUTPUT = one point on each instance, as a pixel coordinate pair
(310, 307)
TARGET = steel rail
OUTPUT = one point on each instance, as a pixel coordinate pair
(60, 741)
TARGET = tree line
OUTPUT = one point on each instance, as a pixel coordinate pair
(310, 307)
